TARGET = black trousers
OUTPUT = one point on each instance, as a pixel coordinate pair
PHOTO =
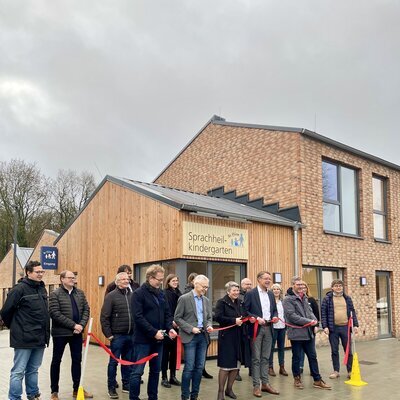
(168, 357)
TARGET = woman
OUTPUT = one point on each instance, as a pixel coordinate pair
(231, 342)
(278, 334)
(172, 294)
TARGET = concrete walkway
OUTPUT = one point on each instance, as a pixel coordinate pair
(379, 363)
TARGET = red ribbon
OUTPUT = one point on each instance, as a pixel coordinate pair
(347, 352)
(297, 326)
(120, 360)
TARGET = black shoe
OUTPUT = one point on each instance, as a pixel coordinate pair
(165, 383)
(174, 381)
(207, 375)
(230, 394)
(116, 386)
(238, 378)
(112, 393)
(125, 389)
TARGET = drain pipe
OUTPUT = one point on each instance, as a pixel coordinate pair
(296, 248)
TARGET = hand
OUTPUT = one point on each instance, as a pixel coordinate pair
(261, 321)
(209, 329)
(314, 322)
(239, 321)
(78, 328)
(274, 320)
(316, 329)
(110, 338)
(172, 334)
(175, 325)
(355, 330)
(326, 331)
(159, 335)
(195, 330)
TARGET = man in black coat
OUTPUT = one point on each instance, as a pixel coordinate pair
(25, 313)
(132, 286)
(69, 312)
(260, 304)
(152, 320)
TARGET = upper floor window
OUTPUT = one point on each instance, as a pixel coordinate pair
(379, 189)
(340, 198)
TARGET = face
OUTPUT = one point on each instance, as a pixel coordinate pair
(305, 289)
(234, 292)
(247, 285)
(123, 281)
(201, 287)
(298, 287)
(174, 282)
(129, 273)
(69, 280)
(265, 281)
(276, 291)
(337, 288)
(157, 280)
(37, 274)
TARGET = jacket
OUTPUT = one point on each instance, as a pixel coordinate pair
(150, 314)
(328, 312)
(26, 313)
(116, 316)
(298, 312)
(61, 311)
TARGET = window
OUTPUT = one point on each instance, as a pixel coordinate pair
(339, 187)
(379, 188)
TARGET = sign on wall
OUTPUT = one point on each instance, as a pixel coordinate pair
(214, 241)
(49, 257)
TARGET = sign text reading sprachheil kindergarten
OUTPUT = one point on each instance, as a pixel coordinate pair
(214, 241)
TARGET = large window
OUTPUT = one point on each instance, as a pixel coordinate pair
(340, 199)
(379, 188)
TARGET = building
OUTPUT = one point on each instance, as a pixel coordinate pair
(348, 202)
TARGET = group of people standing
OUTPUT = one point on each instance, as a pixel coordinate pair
(142, 320)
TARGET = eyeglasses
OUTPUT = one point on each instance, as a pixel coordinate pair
(204, 287)
(69, 277)
(39, 272)
(159, 280)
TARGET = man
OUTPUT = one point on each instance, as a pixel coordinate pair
(25, 313)
(69, 312)
(336, 310)
(298, 312)
(117, 325)
(132, 284)
(194, 319)
(152, 320)
(261, 306)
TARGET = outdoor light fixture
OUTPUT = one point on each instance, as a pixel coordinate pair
(101, 280)
(363, 280)
(277, 277)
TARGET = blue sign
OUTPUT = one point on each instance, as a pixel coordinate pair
(49, 257)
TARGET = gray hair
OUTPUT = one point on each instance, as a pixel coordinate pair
(200, 278)
(119, 276)
(230, 285)
(295, 279)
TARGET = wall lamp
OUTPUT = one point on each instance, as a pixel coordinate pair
(277, 277)
(363, 281)
(101, 280)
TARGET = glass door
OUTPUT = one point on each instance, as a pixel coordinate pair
(383, 306)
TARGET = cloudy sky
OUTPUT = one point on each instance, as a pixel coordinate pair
(119, 87)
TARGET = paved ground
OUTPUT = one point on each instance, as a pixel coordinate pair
(379, 363)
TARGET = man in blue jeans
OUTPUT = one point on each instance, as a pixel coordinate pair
(193, 317)
(25, 313)
(117, 325)
(152, 320)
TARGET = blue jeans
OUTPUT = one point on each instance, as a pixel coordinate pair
(26, 364)
(308, 346)
(121, 347)
(339, 332)
(278, 337)
(141, 350)
(195, 359)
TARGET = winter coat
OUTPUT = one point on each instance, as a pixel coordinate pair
(116, 315)
(172, 296)
(26, 313)
(328, 312)
(61, 313)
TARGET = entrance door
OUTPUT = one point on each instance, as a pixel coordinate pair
(383, 306)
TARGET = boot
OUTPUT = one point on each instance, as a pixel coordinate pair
(222, 377)
(282, 370)
(231, 379)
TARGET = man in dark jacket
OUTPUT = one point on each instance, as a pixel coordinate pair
(260, 305)
(69, 312)
(298, 313)
(132, 286)
(152, 320)
(117, 325)
(336, 310)
(25, 312)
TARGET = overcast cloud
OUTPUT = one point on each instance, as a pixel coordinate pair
(119, 87)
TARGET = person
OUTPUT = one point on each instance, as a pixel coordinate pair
(230, 311)
(336, 309)
(260, 304)
(132, 284)
(117, 326)
(278, 333)
(194, 319)
(172, 294)
(25, 313)
(69, 313)
(298, 312)
(152, 320)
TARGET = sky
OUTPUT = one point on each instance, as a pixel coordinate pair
(120, 87)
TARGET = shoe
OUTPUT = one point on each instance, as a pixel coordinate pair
(257, 392)
(282, 371)
(271, 371)
(125, 389)
(112, 393)
(165, 383)
(238, 378)
(349, 375)
(207, 375)
(85, 393)
(321, 385)
(266, 387)
(298, 384)
(116, 385)
(54, 396)
(334, 375)
(230, 394)
(174, 381)
(35, 397)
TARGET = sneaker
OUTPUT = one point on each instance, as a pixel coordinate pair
(321, 385)
(112, 393)
(54, 396)
(334, 375)
(125, 389)
(298, 384)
